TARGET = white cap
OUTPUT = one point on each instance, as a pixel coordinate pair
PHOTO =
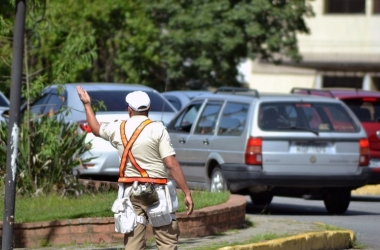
(138, 101)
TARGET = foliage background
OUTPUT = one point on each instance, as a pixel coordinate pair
(165, 44)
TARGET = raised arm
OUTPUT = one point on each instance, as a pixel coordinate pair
(90, 116)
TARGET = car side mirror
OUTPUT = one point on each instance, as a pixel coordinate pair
(186, 128)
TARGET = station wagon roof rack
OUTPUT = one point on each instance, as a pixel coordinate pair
(310, 90)
(233, 90)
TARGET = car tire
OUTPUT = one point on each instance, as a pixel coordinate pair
(217, 181)
(261, 199)
(337, 200)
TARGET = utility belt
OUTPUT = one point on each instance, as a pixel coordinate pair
(142, 180)
(161, 203)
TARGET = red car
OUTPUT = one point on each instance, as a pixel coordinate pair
(366, 106)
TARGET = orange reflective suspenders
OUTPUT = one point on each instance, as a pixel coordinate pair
(127, 154)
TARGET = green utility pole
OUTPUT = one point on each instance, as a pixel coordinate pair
(13, 125)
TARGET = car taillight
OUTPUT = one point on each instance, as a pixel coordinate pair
(87, 165)
(84, 126)
(364, 152)
(253, 150)
(368, 99)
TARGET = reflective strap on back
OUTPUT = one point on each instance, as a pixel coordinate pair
(127, 148)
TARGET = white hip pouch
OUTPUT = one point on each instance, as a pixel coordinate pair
(124, 214)
(162, 214)
(171, 196)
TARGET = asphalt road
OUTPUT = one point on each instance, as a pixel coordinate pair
(362, 216)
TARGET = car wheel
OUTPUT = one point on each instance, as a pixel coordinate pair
(337, 200)
(264, 198)
(218, 183)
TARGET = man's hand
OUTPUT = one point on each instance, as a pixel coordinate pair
(83, 95)
(90, 116)
(189, 204)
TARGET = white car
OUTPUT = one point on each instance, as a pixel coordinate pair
(4, 105)
(113, 96)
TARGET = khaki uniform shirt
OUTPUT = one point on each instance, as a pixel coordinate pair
(151, 146)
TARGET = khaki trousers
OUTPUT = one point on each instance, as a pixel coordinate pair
(166, 236)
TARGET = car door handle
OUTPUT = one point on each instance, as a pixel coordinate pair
(206, 142)
(182, 141)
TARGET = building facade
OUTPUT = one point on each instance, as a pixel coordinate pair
(342, 50)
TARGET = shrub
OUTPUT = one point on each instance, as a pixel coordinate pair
(48, 149)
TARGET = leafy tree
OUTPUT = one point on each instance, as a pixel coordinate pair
(6, 22)
(204, 41)
(178, 44)
(191, 43)
(57, 49)
(126, 40)
(48, 148)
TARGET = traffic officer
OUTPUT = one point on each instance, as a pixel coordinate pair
(147, 161)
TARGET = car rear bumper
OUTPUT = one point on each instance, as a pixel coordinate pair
(375, 176)
(375, 167)
(242, 176)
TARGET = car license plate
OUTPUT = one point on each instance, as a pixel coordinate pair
(311, 148)
(375, 162)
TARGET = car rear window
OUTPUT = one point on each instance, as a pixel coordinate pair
(366, 109)
(115, 100)
(175, 101)
(317, 117)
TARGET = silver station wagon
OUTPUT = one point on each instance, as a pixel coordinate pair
(266, 145)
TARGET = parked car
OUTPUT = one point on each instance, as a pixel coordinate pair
(179, 98)
(366, 106)
(267, 145)
(113, 97)
(4, 105)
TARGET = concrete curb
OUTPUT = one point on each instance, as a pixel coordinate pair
(337, 239)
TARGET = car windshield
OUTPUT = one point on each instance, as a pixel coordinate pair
(312, 117)
(115, 100)
(366, 109)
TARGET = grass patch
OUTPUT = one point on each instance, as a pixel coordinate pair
(326, 227)
(203, 199)
(248, 223)
(358, 245)
(54, 207)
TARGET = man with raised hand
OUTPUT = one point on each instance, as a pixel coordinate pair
(146, 157)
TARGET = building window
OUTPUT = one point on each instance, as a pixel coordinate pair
(344, 6)
(376, 6)
(342, 82)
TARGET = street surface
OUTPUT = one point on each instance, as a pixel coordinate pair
(362, 216)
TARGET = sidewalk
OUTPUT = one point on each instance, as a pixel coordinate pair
(260, 225)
